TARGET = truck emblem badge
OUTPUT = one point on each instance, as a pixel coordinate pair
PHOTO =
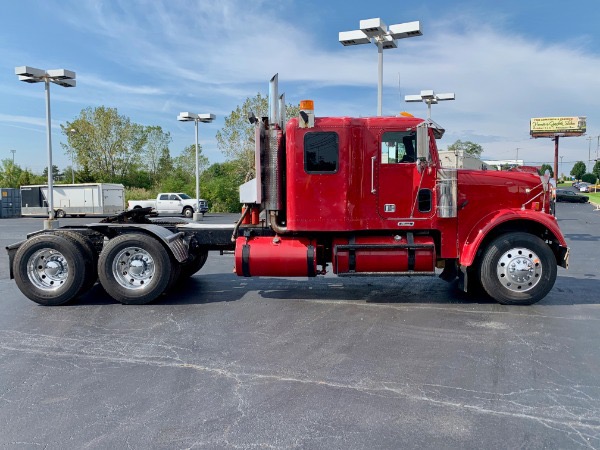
(406, 224)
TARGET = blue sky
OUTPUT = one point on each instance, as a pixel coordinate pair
(506, 62)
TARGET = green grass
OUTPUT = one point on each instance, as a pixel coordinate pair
(594, 196)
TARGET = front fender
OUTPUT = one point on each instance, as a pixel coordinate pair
(497, 218)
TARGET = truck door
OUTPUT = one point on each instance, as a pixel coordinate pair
(399, 196)
(88, 202)
(163, 204)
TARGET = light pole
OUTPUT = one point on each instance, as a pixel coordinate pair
(204, 118)
(430, 98)
(64, 78)
(376, 32)
(589, 138)
(556, 175)
(13, 158)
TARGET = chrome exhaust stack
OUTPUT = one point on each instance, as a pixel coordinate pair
(274, 100)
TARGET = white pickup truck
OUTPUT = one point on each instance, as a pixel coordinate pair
(172, 203)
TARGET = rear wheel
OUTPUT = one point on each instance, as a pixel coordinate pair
(50, 269)
(518, 269)
(59, 214)
(134, 268)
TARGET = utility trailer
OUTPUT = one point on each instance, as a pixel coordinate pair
(76, 200)
(357, 196)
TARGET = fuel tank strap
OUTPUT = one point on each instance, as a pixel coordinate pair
(310, 257)
(246, 260)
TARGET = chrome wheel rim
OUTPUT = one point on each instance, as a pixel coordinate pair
(519, 269)
(48, 269)
(133, 268)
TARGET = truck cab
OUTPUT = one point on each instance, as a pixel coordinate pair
(369, 197)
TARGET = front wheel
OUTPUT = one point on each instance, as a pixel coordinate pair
(188, 213)
(518, 269)
(134, 268)
(60, 214)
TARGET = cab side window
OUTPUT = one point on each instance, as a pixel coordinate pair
(164, 197)
(398, 147)
(173, 197)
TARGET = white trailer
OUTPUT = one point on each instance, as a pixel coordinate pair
(74, 199)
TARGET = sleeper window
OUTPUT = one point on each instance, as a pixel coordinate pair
(321, 152)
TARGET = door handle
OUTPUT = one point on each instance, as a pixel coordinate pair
(373, 158)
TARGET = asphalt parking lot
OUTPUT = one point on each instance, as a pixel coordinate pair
(228, 362)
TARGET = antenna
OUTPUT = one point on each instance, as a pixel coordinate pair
(399, 91)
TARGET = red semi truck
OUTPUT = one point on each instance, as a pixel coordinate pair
(361, 196)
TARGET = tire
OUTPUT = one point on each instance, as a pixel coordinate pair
(90, 255)
(60, 214)
(190, 268)
(46, 269)
(188, 213)
(518, 269)
(134, 269)
(175, 274)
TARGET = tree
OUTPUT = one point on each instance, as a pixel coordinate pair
(55, 172)
(589, 178)
(596, 169)
(156, 149)
(220, 183)
(236, 138)
(468, 147)
(9, 173)
(84, 175)
(165, 164)
(25, 178)
(109, 144)
(179, 173)
(578, 170)
(69, 174)
(186, 161)
(542, 170)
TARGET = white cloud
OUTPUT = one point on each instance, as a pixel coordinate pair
(22, 120)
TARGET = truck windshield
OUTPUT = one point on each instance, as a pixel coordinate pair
(184, 196)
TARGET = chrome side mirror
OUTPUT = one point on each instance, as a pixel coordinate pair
(422, 147)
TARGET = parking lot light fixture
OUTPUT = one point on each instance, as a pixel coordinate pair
(430, 98)
(61, 77)
(376, 31)
(204, 118)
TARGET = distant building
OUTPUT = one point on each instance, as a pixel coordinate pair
(498, 164)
